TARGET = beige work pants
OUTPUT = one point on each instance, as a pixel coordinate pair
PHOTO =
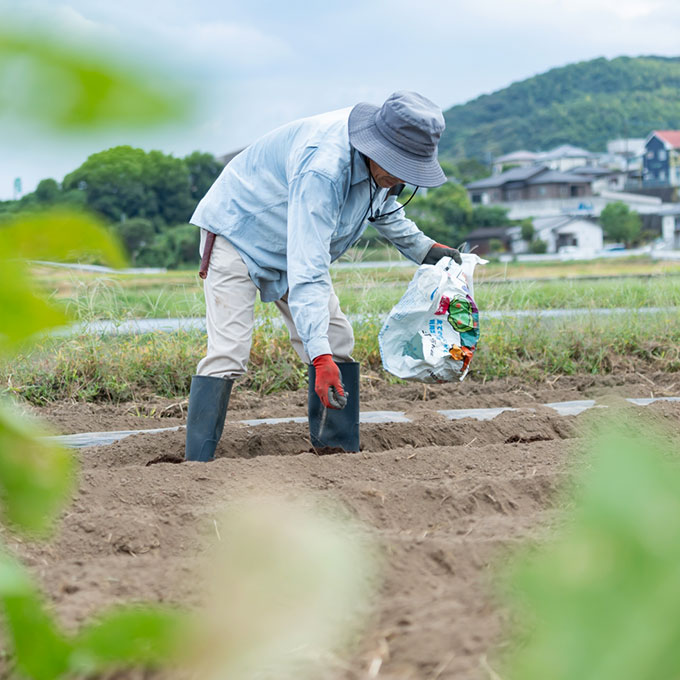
(229, 302)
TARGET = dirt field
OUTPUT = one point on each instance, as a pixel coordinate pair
(445, 499)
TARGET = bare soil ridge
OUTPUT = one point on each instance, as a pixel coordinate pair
(446, 500)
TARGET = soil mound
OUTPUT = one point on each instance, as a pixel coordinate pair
(446, 501)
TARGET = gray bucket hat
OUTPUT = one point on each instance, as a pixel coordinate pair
(401, 136)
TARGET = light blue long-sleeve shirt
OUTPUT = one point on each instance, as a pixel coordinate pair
(292, 203)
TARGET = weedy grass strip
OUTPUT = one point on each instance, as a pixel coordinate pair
(121, 368)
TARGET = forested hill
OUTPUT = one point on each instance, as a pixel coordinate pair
(585, 104)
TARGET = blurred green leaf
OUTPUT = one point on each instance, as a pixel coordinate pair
(59, 234)
(131, 636)
(601, 600)
(50, 82)
(41, 652)
(23, 312)
(36, 477)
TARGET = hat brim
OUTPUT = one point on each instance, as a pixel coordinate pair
(412, 169)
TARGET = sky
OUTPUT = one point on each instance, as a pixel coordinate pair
(255, 64)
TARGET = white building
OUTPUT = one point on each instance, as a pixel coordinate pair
(566, 157)
(567, 233)
(520, 159)
(632, 147)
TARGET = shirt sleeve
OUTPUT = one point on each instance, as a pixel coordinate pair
(403, 232)
(313, 212)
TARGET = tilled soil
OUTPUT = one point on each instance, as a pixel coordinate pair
(447, 501)
(376, 395)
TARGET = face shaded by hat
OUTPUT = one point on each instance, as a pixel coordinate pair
(401, 136)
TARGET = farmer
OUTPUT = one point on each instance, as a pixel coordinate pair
(282, 211)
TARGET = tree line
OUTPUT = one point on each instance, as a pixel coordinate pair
(146, 197)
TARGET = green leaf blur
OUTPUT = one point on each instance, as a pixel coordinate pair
(41, 652)
(148, 637)
(49, 82)
(57, 235)
(36, 477)
(63, 88)
(600, 600)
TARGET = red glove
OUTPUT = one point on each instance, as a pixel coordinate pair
(328, 384)
(438, 251)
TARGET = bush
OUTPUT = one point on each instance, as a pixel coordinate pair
(175, 248)
(538, 247)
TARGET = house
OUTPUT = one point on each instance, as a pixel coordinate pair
(630, 147)
(670, 226)
(569, 233)
(625, 154)
(481, 240)
(519, 159)
(565, 157)
(530, 183)
(560, 233)
(661, 163)
(602, 179)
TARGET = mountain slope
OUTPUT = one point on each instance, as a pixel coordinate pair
(586, 104)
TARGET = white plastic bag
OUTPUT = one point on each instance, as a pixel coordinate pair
(432, 332)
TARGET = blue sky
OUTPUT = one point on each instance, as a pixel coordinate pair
(256, 64)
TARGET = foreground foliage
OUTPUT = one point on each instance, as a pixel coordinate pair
(63, 88)
(37, 477)
(599, 601)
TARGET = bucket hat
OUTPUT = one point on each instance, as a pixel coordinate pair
(401, 136)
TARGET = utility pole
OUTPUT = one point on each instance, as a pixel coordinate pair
(17, 188)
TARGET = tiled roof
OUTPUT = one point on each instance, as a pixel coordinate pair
(513, 175)
(555, 177)
(594, 170)
(521, 155)
(564, 151)
(671, 137)
(488, 232)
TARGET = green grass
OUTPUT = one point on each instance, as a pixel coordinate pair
(96, 368)
(360, 292)
(121, 368)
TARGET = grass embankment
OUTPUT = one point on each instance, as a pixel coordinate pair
(133, 367)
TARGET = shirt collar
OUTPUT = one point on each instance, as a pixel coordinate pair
(359, 169)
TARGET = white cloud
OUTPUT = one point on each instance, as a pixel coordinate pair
(61, 20)
(241, 46)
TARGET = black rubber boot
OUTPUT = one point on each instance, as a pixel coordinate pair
(336, 428)
(208, 401)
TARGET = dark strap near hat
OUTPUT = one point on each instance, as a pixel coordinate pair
(394, 191)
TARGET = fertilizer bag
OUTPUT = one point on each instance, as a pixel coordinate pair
(431, 334)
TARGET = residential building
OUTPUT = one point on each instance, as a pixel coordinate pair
(519, 159)
(569, 233)
(531, 183)
(602, 179)
(662, 159)
(566, 157)
(481, 240)
(560, 233)
(630, 148)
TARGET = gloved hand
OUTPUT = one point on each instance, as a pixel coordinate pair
(328, 384)
(438, 251)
